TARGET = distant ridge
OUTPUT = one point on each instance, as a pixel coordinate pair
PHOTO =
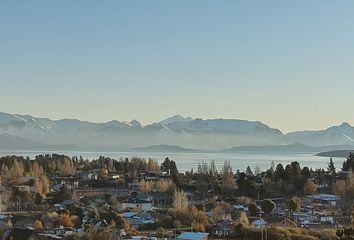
(162, 148)
(338, 153)
(292, 148)
(9, 142)
(181, 132)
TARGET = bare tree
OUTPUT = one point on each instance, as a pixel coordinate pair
(180, 201)
(228, 182)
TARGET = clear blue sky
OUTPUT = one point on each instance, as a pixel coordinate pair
(289, 64)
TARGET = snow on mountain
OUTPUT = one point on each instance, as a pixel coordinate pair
(336, 135)
(174, 119)
(225, 126)
(177, 130)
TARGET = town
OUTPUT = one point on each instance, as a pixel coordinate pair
(58, 197)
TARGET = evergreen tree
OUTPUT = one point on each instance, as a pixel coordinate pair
(305, 173)
(331, 168)
(169, 166)
(279, 171)
(253, 209)
(349, 163)
(249, 171)
(268, 206)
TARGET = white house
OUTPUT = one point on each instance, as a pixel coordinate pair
(144, 206)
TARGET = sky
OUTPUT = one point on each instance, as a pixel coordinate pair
(289, 64)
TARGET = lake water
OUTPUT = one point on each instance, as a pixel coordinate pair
(187, 161)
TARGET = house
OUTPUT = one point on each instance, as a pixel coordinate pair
(285, 222)
(305, 219)
(280, 213)
(240, 207)
(138, 238)
(68, 203)
(151, 176)
(137, 220)
(193, 236)
(139, 200)
(57, 187)
(137, 203)
(97, 224)
(121, 193)
(259, 223)
(89, 175)
(324, 218)
(22, 234)
(133, 186)
(325, 198)
(61, 232)
(224, 227)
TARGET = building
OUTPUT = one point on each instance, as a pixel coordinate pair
(89, 175)
(121, 193)
(223, 228)
(193, 236)
(137, 220)
(285, 222)
(136, 203)
(325, 198)
(259, 223)
(97, 224)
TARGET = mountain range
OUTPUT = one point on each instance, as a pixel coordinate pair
(28, 132)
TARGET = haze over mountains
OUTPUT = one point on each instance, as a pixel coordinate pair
(27, 132)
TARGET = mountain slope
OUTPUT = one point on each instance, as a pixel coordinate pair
(185, 132)
(9, 142)
(292, 148)
(336, 135)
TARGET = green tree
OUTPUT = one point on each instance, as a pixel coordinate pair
(169, 166)
(250, 188)
(253, 209)
(279, 171)
(268, 206)
(63, 194)
(249, 171)
(349, 163)
(331, 168)
(305, 173)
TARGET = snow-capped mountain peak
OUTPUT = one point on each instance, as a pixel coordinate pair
(175, 118)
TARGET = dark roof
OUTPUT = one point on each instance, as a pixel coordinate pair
(22, 234)
(135, 200)
(94, 221)
(223, 223)
(69, 202)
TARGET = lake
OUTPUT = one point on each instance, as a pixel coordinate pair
(187, 161)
